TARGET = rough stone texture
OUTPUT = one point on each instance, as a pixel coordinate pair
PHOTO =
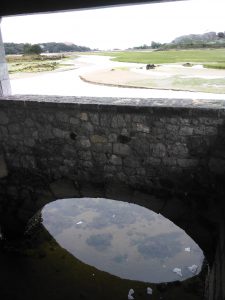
(3, 167)
(54, 137)
(166, 155)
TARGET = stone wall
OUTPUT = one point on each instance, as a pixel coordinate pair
(138, 145)
(5, 88)
(168, 156)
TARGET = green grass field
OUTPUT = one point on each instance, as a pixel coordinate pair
(210, 58)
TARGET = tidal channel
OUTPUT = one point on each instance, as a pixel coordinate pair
(95, 248)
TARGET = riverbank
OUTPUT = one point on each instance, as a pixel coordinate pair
(174, 77)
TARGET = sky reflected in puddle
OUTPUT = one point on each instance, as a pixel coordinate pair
(123, 239)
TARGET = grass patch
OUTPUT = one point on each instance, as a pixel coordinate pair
(180, 83)
(32, 67)
(122, 68)
(172, 56)
(36, 63)
(220, 66)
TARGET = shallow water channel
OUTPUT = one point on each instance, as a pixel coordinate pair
(95, 248)
(123, 239)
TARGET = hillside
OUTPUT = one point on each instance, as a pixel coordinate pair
(52, 47)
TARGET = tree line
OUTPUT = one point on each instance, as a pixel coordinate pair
(52, 47)
(205, 40)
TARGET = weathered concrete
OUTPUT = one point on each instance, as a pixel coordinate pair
(5, 88)
(165, 155)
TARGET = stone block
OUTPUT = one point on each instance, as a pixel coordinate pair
(62, 117)
(88, 189)
(118, 121)
(98, 139)
(121, 149)
(110, 169)
(211, 130)
(85, 155)
(158, 150)
(100, 158)
(169, 161)
(115, 160)
(87, 164)
(186, 130)
(187, 162)
(142, 128)
(112, 137)
(153, 161)
(199, 130)
(105, 120)
(29, 122)
(84, 142)
(84, 116)
(3, 167)
(74, 121)
(94, 118)
(118, 191)
(217, 165)
(59, 133)
(148, 201)
(29, 142)
(87, 127)
(4, 120)
(64, 188)
(172, 128)
(178, 150)
(14, 129)
(139, 119)
(131, 162)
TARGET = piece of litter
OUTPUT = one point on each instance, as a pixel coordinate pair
(177, 271)
(149, 291)
(93, 274)
(130, 297)
(80, 222)
(188, 249)
(193, 269)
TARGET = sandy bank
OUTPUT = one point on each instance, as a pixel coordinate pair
(172, 77)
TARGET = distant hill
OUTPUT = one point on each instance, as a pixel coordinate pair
(208, 39)
(205, 40)
(52, 47)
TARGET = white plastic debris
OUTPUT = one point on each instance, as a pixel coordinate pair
(149, 291)
(79, 223)
(188, 249)
(177, 271)
(130, 297)
(193, 269)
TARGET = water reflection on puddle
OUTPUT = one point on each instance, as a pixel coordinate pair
(123, 239)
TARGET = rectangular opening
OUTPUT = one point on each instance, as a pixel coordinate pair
(157, 50)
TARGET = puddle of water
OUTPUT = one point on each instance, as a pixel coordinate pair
(123, 239)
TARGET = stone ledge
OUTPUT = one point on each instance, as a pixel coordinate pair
(183, 107)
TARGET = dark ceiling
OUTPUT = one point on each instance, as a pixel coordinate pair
(9, 8)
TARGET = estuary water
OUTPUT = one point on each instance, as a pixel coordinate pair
(123, 239)
(68, 83)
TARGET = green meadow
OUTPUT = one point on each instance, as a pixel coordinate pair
(213, 58)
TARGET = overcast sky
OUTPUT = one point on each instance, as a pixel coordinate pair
(118, 27)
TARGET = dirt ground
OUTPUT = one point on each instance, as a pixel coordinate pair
(168, 76)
